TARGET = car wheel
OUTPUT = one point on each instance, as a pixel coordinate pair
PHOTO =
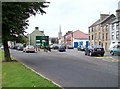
(102, 54)
(85, 53)
(112, 53)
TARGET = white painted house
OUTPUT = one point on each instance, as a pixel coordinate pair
(115, 29)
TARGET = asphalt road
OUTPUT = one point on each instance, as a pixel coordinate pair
(72, 68)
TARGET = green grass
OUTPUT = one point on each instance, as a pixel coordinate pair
(1, 57)
(15, 74)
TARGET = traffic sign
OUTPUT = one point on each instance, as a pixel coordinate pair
(42, 40)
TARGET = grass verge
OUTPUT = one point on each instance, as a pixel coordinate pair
(14, 74)
(1, 58)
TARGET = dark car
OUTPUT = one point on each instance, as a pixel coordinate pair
(115, 50)
(81, 48)
(54, 46)
(70, 47)
(94, 50)
(20, 48)
(15, 47)
(61, 48)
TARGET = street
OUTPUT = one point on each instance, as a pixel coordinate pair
(72, 68)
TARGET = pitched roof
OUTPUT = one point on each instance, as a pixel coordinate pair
(80, 34)
(107, 20)
(37, 31)
(116, 20)
(96, 23)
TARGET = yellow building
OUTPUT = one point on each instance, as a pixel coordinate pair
(99, 32)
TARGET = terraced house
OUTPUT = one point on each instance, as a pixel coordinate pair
(99, 32)
(115, 29)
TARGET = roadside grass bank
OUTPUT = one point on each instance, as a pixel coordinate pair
(1, 58)
(15, 74)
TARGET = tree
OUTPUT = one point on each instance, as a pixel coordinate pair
(54, 40)
(22, 39)
(15, 20)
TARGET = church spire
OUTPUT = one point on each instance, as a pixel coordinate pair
(59, 33)
(60, 29)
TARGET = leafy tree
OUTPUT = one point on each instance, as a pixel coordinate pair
(0, 23)
(15, 20)
(23, 40)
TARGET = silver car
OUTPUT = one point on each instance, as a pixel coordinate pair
(29, 48)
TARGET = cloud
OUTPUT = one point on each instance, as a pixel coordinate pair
(71, 14)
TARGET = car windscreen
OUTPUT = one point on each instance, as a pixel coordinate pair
(30, 46)
(96, 46)
(61, 46)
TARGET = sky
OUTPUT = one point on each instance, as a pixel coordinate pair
(72, 15)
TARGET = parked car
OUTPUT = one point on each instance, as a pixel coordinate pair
(54, 46)
(81, 48)
(29, 48)
(115, 50)
(94, 50)
(61, 48)
(20, 48)
(70, 47)
(15, 47)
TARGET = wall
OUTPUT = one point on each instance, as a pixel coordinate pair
(33, 37)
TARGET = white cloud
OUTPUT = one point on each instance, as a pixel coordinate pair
(71, 14)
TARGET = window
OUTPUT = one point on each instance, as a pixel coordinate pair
(89, 37)
(102, 44)
(92, 37)
(113, 37)
(106, 36)
(117, 35)
(95, 36)
(99, 35)
(113, 27)
(112, 33)
(92, 29)
(105, 45)
(107, 28)
(99, 43)
(117, 25)
(103, 36)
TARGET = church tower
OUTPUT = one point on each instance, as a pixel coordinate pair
(59, 33)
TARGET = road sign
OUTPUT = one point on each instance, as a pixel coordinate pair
(42, 40)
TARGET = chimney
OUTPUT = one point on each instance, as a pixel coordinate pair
(36, 28)
(118, 13)
(103, 16)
